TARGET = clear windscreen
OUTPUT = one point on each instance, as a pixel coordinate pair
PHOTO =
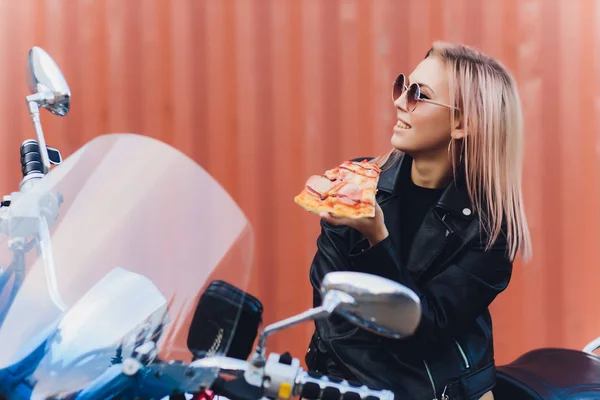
(139, 234)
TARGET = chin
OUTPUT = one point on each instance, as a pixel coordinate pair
(399, 143)
(413, 146)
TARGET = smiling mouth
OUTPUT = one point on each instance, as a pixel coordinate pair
(402, 125)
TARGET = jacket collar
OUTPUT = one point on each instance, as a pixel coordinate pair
(455, 198)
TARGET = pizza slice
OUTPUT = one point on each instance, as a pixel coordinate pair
(347, 190)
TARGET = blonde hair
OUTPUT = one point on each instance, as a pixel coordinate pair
(491, 153)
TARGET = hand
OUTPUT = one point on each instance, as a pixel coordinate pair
(372, 228)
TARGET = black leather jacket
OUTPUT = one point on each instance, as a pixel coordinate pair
(456, 280)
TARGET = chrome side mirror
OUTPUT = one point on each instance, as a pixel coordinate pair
(377, 304)
(47, 82)
(48, 90)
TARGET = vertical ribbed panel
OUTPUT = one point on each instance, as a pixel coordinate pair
(265, 93)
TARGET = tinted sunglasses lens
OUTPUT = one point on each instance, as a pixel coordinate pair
(398, 87)
(412, 97)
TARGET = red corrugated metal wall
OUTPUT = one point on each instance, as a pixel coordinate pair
(265, 93)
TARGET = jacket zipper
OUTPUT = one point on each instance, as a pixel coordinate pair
(431, 380)
(462, 353)
(449, 229)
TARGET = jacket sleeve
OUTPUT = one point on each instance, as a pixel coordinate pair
(451, 299)
(332, 252)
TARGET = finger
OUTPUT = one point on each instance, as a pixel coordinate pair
(332, 219)
(327, 217)
(324, 215)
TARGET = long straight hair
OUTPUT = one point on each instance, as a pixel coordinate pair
(491, 152)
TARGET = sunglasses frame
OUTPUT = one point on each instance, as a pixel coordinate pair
(417, 94)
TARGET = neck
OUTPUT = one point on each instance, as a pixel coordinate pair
(431, 172)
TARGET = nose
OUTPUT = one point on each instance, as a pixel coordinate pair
(400, 102)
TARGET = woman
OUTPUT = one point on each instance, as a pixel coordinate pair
(448, 225)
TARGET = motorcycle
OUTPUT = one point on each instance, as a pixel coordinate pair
(124, 274)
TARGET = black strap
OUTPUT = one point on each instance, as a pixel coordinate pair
(473, 385)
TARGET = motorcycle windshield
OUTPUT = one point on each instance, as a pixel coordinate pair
(140, 234)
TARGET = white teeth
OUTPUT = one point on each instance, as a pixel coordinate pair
(403, 125)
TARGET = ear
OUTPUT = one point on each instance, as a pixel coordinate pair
(458, 134)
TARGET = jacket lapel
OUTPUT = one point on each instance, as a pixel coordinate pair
(443, 230)
(430, 241)
(389, 195)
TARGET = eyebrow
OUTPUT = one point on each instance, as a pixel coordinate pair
(423, 85)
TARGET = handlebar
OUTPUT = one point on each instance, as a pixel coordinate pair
(283, 378)
(280, 377)
(314, 386)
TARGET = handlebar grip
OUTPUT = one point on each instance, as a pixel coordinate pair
(315, 386)
(236, 389)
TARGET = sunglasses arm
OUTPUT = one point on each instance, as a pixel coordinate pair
(438, 104)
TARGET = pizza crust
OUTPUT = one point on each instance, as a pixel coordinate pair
(315, 205)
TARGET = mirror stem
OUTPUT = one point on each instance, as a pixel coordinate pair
(330, 302)
(34, 111)
(309, 315)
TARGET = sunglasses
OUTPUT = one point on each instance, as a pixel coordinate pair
(413, 96)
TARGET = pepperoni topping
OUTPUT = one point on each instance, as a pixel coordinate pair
(319, 184)
(351, 190)
(309, 190)
(347, 201)
(337, 182)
